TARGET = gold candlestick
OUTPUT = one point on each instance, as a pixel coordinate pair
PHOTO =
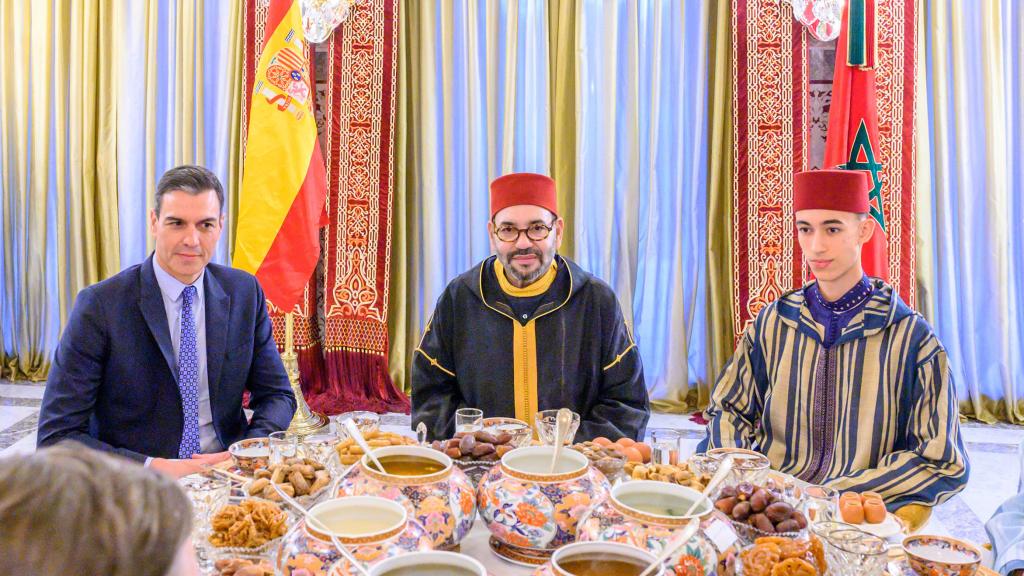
(305, 420)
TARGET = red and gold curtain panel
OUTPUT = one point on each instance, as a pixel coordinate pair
(341, 326)
(770, 143)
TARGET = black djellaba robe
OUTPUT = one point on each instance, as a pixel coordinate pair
(512, 356)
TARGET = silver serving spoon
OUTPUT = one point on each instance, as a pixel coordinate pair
(319, 526)
(357, 435)
(563, 420)
(674, 544)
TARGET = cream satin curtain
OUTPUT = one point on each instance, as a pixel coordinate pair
(99, 98)
(971, 209)
(58, 169)
(472, 105)
(720, 338)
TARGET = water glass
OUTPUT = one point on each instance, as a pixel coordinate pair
(469, 419)
(364, 420)
(853, 552)
(545, 422)
(665, 446)
(283, 445)
(820, 503)
(319, 446)
(207, 493)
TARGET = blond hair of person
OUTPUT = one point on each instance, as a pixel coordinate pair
(72, 510)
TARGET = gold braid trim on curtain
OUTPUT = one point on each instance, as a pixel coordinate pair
(563, 75)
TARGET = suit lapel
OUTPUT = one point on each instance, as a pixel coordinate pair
(151, 302)
(217, 311)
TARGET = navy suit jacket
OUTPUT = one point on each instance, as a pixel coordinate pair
(111, 385)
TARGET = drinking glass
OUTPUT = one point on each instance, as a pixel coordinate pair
(468, 419)
(665, 446)
(319, 446)
(545, 422)
(207, 493)
(283, 445)
(364, 420)
(853, 552)
(820, 503)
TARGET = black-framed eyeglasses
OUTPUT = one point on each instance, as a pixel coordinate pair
(535, 232)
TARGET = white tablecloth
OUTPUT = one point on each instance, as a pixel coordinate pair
(475, 545)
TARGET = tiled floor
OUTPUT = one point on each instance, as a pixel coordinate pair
(995, 465)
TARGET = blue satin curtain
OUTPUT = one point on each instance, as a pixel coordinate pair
(481, 112)
(975, 199)
(175, 105)
(641, 200)
(638, 215)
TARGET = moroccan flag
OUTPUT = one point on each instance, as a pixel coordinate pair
(852, 141)
(283, 180)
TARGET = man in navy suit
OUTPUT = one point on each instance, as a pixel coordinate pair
(153, 361)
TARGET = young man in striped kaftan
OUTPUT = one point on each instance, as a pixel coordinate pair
(840, 382)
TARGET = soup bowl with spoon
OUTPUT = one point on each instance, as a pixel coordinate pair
(531, 511)
(372, 529)
(647, 514)
(434, 492)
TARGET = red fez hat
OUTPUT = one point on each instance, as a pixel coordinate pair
(843, 190)
(523, 188)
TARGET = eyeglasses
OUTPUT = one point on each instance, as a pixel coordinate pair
(535, 232)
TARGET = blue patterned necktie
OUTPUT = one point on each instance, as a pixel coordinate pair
(188, 376)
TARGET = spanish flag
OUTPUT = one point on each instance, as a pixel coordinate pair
(284, 186)
(852, 140)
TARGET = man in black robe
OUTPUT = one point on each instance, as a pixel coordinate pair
(528, 330)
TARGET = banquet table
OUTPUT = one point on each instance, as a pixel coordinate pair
(476, 543)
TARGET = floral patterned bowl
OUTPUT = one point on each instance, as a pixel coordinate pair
(940, 556)
(406, 563)
(443, 502)
(250, 455)
(599, 551)
(615, 521)
(308, 545)
(526, 507)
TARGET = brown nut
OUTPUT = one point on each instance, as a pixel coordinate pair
(299, 482)
(258, 485)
